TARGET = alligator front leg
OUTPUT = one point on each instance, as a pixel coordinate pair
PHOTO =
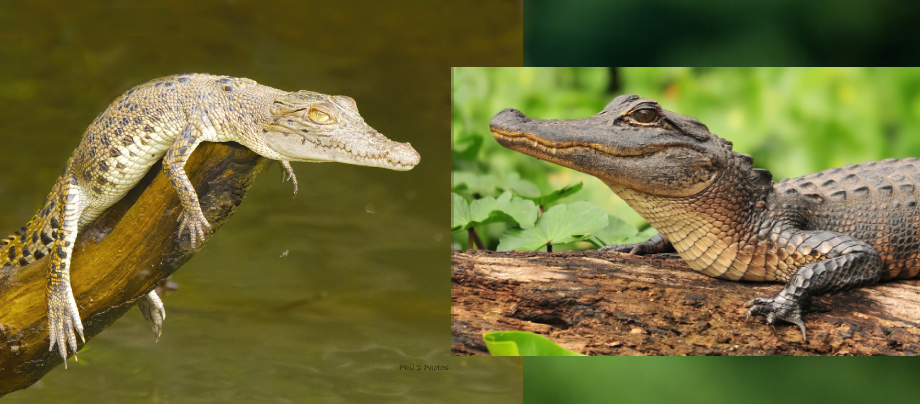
(174, 163)
(63, 316)
(848, 264)
(656, 245)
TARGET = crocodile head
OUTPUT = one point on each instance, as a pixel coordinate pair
(314, 127)
(632, 143)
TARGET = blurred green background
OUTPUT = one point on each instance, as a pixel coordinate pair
(707, 380)
(721, 32)
(794, 121)
(365, 285)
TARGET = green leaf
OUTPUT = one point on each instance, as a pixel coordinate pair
(505, 208)
(559, 224)
(463, 180)
(467, 147)
(513, 182)
(615, 233)
(620, 232)
(459, 212)
(491, 184)
(556, 195)
(522, 343)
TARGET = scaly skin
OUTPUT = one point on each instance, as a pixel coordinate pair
(168, 118)
(831, 231)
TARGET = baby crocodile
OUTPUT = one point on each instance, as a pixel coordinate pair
(831, 231)
(168, 118)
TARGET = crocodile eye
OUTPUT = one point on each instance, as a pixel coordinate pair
(320, 117)
(645, 115)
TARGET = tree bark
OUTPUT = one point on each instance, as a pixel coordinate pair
(123, 255)
(619, 304)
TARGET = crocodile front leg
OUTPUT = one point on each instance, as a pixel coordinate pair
(848, 264)
(656, 245)
(63, 315)
(174, 163)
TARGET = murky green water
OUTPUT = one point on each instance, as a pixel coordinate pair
(358, 293)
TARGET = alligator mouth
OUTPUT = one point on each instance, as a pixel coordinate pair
(560, 141)
(529, 142)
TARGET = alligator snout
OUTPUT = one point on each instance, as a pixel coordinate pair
(507, 118)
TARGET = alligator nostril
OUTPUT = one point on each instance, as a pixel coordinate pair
(508, 116)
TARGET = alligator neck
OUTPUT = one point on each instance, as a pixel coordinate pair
(710, 230)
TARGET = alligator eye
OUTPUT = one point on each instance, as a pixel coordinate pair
(320, 117)
(645, 115)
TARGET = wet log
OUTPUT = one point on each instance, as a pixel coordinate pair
(619, 304)
(124, 254)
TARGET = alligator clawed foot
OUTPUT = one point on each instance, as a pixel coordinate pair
(620, 248)
(64, 322)
(634, 249)
(196, 223)
(776, 309)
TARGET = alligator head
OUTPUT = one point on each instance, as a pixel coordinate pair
(314, 127)
(632, 143)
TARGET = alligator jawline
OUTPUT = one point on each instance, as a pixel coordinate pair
(549, 149)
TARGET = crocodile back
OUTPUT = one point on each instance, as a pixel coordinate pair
(875, 202)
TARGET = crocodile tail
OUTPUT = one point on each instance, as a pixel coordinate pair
(34, 240)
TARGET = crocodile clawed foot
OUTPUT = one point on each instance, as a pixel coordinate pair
(152, 308)
(64, 323)
(290, 174)
(197, 225)
(777, 308)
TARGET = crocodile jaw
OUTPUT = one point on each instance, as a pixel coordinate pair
(370, 149)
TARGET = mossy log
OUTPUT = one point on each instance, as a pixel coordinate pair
(123, 255)
(619, 304)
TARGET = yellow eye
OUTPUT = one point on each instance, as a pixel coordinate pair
(320, 116)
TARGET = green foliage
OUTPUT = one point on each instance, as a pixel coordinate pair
(552, 197)
(794, 121)
(504, 209)
(620, 232)
(522, 343)
(560, 224)
(469, 183)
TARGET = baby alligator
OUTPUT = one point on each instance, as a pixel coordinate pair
(832, 231)
(167, 118)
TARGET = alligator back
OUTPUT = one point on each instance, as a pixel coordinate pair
(875, 202)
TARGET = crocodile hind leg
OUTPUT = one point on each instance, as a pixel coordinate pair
(289, 171)
(174, 163)
(848, 264)
(152, 308)
(63, 316)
